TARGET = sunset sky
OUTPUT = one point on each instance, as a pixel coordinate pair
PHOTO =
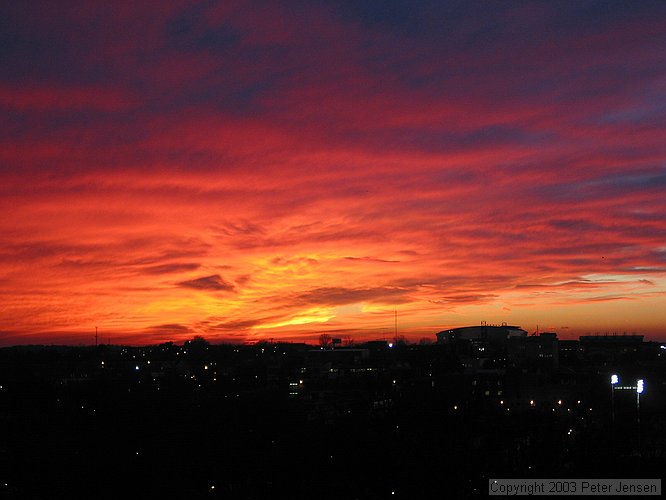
(257, 170)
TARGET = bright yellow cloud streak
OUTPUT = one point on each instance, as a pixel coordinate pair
(314, 315)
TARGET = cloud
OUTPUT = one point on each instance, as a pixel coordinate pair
(70, 99)
(413, 154)
(170, 268)
(371, 259)
(169, 329)
(342, 296)
(212, 283)
(237, 325)
(466, 299)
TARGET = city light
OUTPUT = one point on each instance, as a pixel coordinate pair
(639, 386)
(615, 379)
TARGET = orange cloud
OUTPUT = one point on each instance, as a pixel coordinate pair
(244, 173)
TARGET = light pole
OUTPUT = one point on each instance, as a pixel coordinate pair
(614, 380)
(640, 386)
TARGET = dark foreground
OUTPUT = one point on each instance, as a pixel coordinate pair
(280, 421)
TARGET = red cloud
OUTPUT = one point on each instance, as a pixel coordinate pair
(478, 167)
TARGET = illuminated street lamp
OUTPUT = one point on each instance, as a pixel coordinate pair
(640, 387)
(614, 380)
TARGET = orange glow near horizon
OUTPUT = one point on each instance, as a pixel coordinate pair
(249, 175)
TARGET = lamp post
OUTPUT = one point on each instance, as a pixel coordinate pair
(640, 386)
(614, 380)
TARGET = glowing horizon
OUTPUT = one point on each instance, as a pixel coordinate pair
(255, 171)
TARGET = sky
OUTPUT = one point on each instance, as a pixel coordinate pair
(250, 171)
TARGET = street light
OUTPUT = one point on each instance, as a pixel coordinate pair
(614, 381)
(640, 387)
